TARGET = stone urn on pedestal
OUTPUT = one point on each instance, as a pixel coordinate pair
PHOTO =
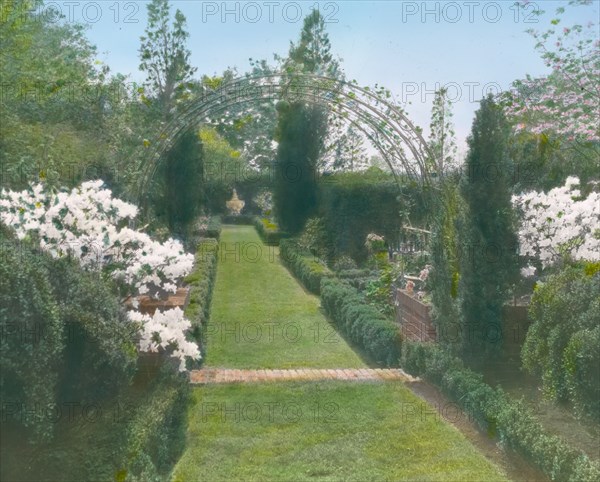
(235, 204)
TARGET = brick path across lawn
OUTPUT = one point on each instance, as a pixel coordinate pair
(228, 375)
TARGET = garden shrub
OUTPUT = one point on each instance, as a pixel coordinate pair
(300, 133)
(100, 351)
(510, 420)
(73, 347)
(239, 219)
(211, 227)
(378, 336)
(138, 436)
(304, 266)
(268, 231)
(201, 282)
(561, 346)
(315, 239)
(487, 226)
(344, 263)
(65, 335)
(29, 364)
(154, 437)
(216, 195)
(358, 278)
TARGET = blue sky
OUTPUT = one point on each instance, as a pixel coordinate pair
(411, 47)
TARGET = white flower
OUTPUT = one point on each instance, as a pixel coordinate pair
(85, 223)
(554, 224)
(528, 271)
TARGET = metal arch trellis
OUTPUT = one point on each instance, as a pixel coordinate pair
(383, 123)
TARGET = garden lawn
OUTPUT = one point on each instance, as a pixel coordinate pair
(319, 430)
(262, 318)
(325, 431)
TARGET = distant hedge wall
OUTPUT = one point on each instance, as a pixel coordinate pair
(353, 205)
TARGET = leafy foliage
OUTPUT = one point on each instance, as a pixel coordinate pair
(445, 256)
(360, 322)
(560, 344)
(66, 339)
(442, 140)
(181, 193)
(268, 231)
(307, 268)
(352, 205)
(509, 420)
(560, 225)
(164, 55)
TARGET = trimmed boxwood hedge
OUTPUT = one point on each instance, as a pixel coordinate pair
(213, 228)
(68, 357)
(510, 420)
(238, 219)
(362, 323)
(154, 434)
(304, 266)
(268, 231)
(201, 282)
(359, 278)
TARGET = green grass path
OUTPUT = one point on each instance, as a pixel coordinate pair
(262, 318)
(290, 431)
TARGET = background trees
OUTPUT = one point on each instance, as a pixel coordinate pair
(556, 116)
(177, 188)
(441, 138)
(164, 56)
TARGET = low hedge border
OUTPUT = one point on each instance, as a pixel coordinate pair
(304, 266)
(362, 323)
(359, 278)
(213, 228)
(510, 420)
(201, 282)
(238, 219)
(154, 434)
(268, 231)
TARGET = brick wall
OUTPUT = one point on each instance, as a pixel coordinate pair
(414, 318)
(415, 322)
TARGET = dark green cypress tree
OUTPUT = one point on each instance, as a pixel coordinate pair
(183, 182)
(488, 243)
(301, 129)
(295, 187)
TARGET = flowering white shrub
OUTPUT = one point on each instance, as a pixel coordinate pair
(86, 223)
(528, 271)
(164, 330)
(559, 223)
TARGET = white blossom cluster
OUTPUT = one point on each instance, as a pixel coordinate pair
(559, 223)
(166, 330)
(86, 223)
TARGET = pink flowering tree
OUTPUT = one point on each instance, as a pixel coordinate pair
(566, 102)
